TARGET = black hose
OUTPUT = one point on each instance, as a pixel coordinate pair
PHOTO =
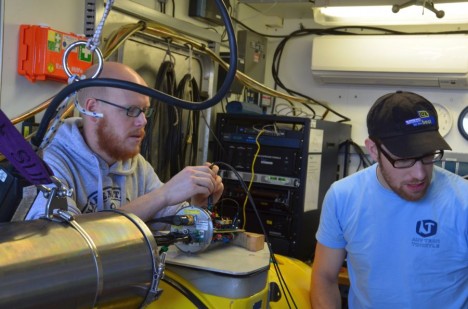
(115, 83)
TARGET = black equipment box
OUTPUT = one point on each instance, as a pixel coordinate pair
(296, 164)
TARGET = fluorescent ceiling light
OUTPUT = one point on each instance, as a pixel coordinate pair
(455, 13)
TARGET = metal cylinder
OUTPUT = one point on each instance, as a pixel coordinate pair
(104, 259)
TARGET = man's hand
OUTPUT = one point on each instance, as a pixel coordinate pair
(195, 183)
(201, 199)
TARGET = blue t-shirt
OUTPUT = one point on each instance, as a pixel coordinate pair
(400, 254)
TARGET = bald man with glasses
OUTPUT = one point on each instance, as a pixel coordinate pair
(401, 224)
(98, 155)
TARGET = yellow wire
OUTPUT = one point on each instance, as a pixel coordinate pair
(251, 177)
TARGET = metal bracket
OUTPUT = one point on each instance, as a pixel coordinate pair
(56, 196)
(155, 292)
(424, 3)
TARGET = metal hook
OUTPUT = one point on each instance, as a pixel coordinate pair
(426, 4)
(67, 53)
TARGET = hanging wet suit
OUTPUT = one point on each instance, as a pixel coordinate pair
(188, 90)
(162, 128)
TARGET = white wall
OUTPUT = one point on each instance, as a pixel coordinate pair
(17, 93)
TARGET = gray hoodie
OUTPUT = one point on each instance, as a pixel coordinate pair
(97, 186)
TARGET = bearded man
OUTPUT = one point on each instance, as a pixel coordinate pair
(98, 155)
(401, 224)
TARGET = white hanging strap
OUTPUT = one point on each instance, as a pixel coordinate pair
(92, 45)
(85, 111)
(94, 42)
(57, 122)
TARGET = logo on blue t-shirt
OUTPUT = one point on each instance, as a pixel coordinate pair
(426, 228)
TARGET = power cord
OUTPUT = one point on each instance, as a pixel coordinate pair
(284, 287)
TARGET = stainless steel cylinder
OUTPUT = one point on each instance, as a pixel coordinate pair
(108, 261)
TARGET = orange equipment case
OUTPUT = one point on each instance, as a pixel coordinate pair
(41, 52)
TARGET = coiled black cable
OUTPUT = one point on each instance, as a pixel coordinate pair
(188, 89)
(158, 144)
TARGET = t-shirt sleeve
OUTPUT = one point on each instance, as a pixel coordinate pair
(330, 232)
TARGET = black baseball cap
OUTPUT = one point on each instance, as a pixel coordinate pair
(406, 123)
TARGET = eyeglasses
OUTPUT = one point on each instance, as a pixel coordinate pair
(132, 111)
(409, 162)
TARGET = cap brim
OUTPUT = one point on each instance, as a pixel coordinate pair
(417, 144)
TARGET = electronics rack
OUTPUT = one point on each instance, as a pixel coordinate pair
(296, 164)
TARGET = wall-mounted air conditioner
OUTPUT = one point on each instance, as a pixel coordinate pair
(408, 60)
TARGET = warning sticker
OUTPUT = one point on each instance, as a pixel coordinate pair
(67, 40)
(54, 40)
(85, 54)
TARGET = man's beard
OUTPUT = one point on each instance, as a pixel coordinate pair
(112, 144)
(398, 190)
